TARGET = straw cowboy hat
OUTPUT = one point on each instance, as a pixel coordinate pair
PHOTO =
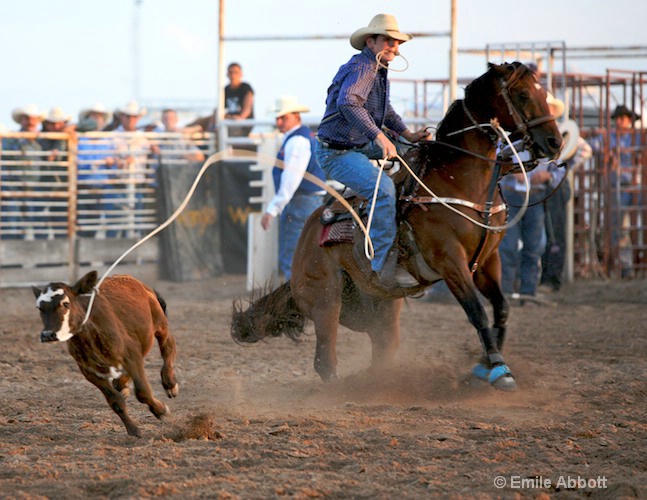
(623, 110)
(288, 104)
(56, 115)
(29, 110)
(97, 108)
(570, 140)
(382, 24)
(132, 109)
(556, 104)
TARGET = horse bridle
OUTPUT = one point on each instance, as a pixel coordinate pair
(520, 121)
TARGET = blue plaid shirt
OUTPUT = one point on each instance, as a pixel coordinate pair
(358, 103)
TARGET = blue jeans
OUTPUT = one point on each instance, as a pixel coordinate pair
(522, 265)
(291, 223)
(353, 169)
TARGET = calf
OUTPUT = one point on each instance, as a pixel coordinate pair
(110, 347)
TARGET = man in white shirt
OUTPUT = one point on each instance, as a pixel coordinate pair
(295, 198)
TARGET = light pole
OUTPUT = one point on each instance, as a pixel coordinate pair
(136, 50)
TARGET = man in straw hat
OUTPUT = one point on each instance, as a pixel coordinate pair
(520, 266)
(55, 121)
(575, 151)
(350, 135)
(94, 118)
(26, 151)
(295, 198)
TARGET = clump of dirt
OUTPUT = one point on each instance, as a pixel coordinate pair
(200, 426)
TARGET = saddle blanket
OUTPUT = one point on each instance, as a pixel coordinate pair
(337, 232)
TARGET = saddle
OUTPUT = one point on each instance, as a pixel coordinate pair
(339, 226)
(338, 223)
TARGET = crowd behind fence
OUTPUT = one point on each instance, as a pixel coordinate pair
(99, 184)
(99, 187)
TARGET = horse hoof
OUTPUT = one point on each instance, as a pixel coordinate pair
(501, 378)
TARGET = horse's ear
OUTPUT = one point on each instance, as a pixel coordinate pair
(85, 284)
(37, 291)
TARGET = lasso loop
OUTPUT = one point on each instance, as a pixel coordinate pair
(378, 60)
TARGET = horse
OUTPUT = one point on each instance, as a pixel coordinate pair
(110, 346)
(454, 235)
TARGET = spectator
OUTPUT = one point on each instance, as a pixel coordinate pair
(178, 150)
(134, 151)
(25, 151)
(295, 198)
(99, 114)
(53, 178)
(624, 172)
(96, 160)
(239, 100)
(555, 207)
(523, 244)
(55, 121)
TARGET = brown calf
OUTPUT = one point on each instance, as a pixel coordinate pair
(110, 347)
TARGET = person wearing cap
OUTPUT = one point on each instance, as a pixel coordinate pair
(625, 147)
(296, 198)
(358, 107)
(520, 264)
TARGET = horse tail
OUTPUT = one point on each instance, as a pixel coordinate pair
(272, 315)
(161, 301)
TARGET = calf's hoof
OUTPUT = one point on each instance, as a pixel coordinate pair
(173, 391)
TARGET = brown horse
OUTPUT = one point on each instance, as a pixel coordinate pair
(330, 286)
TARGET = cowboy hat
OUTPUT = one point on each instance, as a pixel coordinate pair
(288, 104)
(56, 115)
(556, 104)
(97, 108)
(132, 109)
(29, 110)
(570, 140)
(382, 24)
(623, 110)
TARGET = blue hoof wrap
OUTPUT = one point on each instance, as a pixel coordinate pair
(501, 378)
(481, 372)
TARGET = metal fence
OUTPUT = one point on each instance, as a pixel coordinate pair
(72, 199)
(82, 199)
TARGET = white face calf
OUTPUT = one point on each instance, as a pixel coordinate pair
(54, 307)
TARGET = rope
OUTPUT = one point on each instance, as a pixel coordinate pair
(499, 130)
(216, 157)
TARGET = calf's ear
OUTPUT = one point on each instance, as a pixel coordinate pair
(37, 291)
(86, 284)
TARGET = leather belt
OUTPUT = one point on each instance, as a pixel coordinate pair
(337, 145)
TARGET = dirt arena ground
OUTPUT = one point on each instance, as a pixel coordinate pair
(256, 422)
